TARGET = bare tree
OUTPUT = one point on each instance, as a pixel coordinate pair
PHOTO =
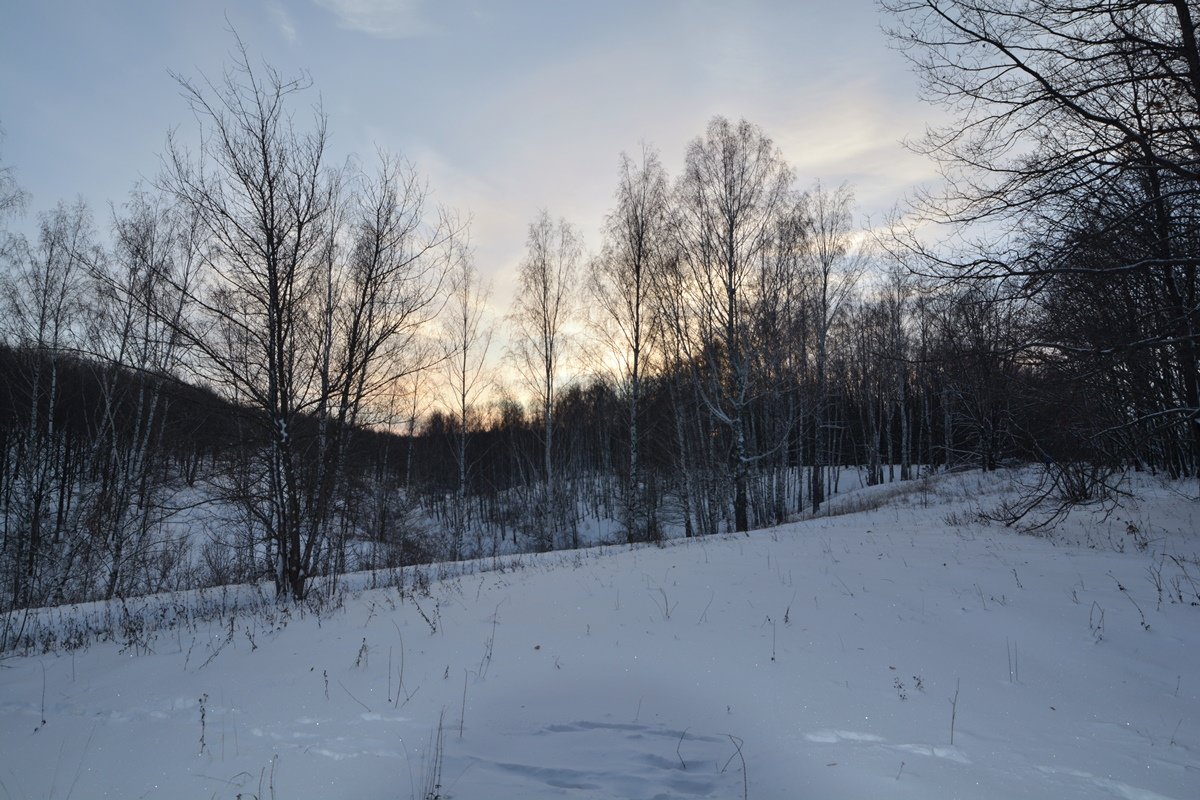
(1071, 159)
(637, 243)
(383, 291)
(781, 324)
(544, 307)
(669, 287)
(896, 297)
(835, 262)
(734, 186)
(864, 324)
(317, 287)
(43, 305)
(468, 337)
(139, 293)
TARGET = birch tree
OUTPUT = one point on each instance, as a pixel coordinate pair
(835, 263)
(637, 241)
(43, 296)
(729, 198)
(139, 296)
(544, 307)
(317, 288)
(468, 338)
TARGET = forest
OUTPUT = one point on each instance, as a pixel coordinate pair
(277, 363)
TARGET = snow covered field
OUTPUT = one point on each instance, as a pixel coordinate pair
(820, 659)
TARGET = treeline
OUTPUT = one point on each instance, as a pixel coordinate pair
(308, 352)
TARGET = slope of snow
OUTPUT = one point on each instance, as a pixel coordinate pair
(818, 659)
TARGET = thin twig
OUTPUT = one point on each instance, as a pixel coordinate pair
(352, 697)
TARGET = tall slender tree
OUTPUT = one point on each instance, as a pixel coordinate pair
(544, 307)
(468, 337)
(835, 263)
(637, 243)
(732, 191)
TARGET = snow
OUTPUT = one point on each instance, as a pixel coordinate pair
(818, 659)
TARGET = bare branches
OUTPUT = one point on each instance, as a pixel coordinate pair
(1072, 166)
(638, 244)
(541, 345)
(319, 284)
(730, 198)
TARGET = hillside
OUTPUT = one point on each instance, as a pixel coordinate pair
(909, 650)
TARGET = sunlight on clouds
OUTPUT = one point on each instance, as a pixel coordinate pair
(854, 134)
(387, 19)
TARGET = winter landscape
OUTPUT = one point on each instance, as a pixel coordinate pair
(907, 649)
(771, 399)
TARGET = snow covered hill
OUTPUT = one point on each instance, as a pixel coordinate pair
(909, 651)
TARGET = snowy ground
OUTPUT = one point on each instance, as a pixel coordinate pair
(819, 659)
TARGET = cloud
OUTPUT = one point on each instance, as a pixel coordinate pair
(386, 19)
(284, 22)
(852, 130)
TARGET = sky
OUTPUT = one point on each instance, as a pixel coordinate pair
(506, 108)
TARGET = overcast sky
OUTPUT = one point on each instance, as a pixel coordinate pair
(506, 107)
